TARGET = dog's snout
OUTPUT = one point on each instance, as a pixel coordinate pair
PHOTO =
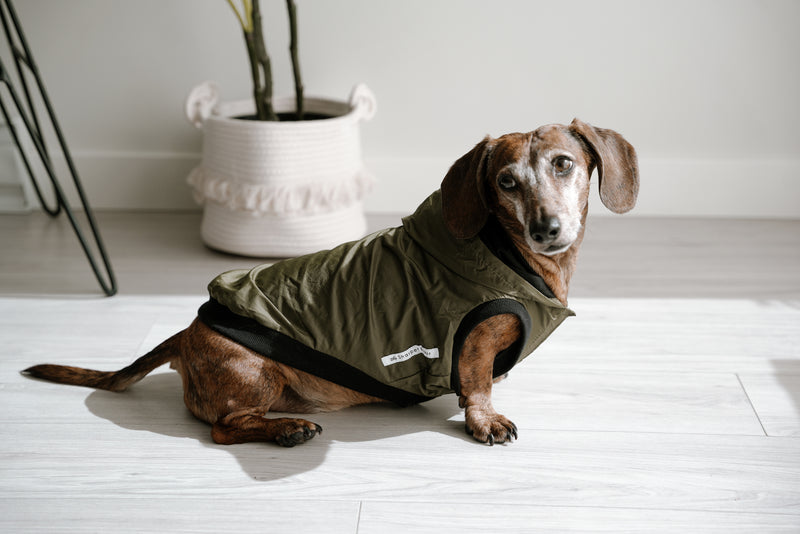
(545, 229)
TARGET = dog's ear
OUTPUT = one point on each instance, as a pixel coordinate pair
(617, 165)
(463, 206)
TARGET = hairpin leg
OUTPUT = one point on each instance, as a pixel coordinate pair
(24, 62)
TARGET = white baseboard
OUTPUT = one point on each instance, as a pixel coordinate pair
(669, 187)
(126, 180)
(720, 188)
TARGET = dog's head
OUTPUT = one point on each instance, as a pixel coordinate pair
(537, 184)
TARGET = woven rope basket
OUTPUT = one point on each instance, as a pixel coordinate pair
(278, 189)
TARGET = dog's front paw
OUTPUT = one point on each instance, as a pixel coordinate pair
(490, 427)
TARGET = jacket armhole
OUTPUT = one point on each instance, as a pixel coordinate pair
(505, 359)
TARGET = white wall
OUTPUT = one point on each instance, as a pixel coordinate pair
(708, 91)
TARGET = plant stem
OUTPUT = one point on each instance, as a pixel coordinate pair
(260, 67)
(298, 82)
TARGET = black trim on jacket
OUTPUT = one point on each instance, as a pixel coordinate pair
(282, 348)
(497, 241)
(505, 359)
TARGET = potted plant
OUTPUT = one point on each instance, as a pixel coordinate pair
(279, 176)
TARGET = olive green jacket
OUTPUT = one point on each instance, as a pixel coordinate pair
(385, 315)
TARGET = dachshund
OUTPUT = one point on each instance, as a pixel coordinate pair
(519, 201)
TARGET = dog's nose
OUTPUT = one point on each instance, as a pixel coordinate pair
(545, 230)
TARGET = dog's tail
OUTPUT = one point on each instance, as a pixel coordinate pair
(109, 380)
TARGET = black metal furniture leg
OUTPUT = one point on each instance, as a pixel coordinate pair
(25, 63)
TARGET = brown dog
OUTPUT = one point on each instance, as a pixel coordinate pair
(522, 196)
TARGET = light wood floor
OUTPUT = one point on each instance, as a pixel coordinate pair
(671, 403)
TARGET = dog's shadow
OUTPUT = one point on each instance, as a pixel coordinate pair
(156, 405)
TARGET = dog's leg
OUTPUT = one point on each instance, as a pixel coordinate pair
(475, 376)
(251, 425)
(232, 388)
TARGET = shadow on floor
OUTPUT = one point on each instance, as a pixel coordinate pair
(156, 405)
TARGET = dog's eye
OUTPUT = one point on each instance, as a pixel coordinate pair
(506, 181)
(562, 165)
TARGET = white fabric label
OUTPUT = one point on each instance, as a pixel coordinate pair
(409, 353)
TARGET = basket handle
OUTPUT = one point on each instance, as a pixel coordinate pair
(201, 103)
(362, 102)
